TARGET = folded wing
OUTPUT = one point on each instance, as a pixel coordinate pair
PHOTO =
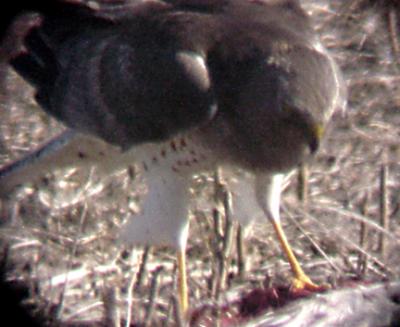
(124, 80)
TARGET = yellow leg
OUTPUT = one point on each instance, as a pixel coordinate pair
(182, 283)
(301, 280)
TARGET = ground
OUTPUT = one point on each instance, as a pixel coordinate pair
(60, 233)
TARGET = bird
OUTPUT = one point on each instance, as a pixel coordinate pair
(180, 87)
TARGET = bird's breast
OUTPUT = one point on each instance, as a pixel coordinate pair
(275, 147)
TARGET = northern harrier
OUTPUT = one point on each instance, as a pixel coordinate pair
(182, 86)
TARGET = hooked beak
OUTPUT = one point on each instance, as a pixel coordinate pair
(316, 133)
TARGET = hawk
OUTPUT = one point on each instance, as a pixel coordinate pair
(181, 86)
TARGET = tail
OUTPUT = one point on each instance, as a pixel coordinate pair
(68, 149)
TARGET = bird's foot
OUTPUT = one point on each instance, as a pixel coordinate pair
(302, 283)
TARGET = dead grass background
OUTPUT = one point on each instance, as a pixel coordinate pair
(60, 233)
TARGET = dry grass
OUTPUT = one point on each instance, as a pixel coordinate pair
(61, 232)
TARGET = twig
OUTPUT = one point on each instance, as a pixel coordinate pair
(132, 287)
(240, 248)
(60, 306)
(111, 307)
(153, 295)
(393, 23)
(362, 259)
(311, 240)
(142, 268)
(383, 208)
(302, 184)
(349, 241)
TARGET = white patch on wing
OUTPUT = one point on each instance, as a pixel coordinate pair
(195, 68)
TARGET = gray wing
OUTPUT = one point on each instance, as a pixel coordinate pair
(125, 80)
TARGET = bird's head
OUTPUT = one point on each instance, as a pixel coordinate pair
(304, 123)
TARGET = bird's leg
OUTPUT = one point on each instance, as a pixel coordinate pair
(268, 190)
(301, 280)
(182, 283)
(163, 220)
